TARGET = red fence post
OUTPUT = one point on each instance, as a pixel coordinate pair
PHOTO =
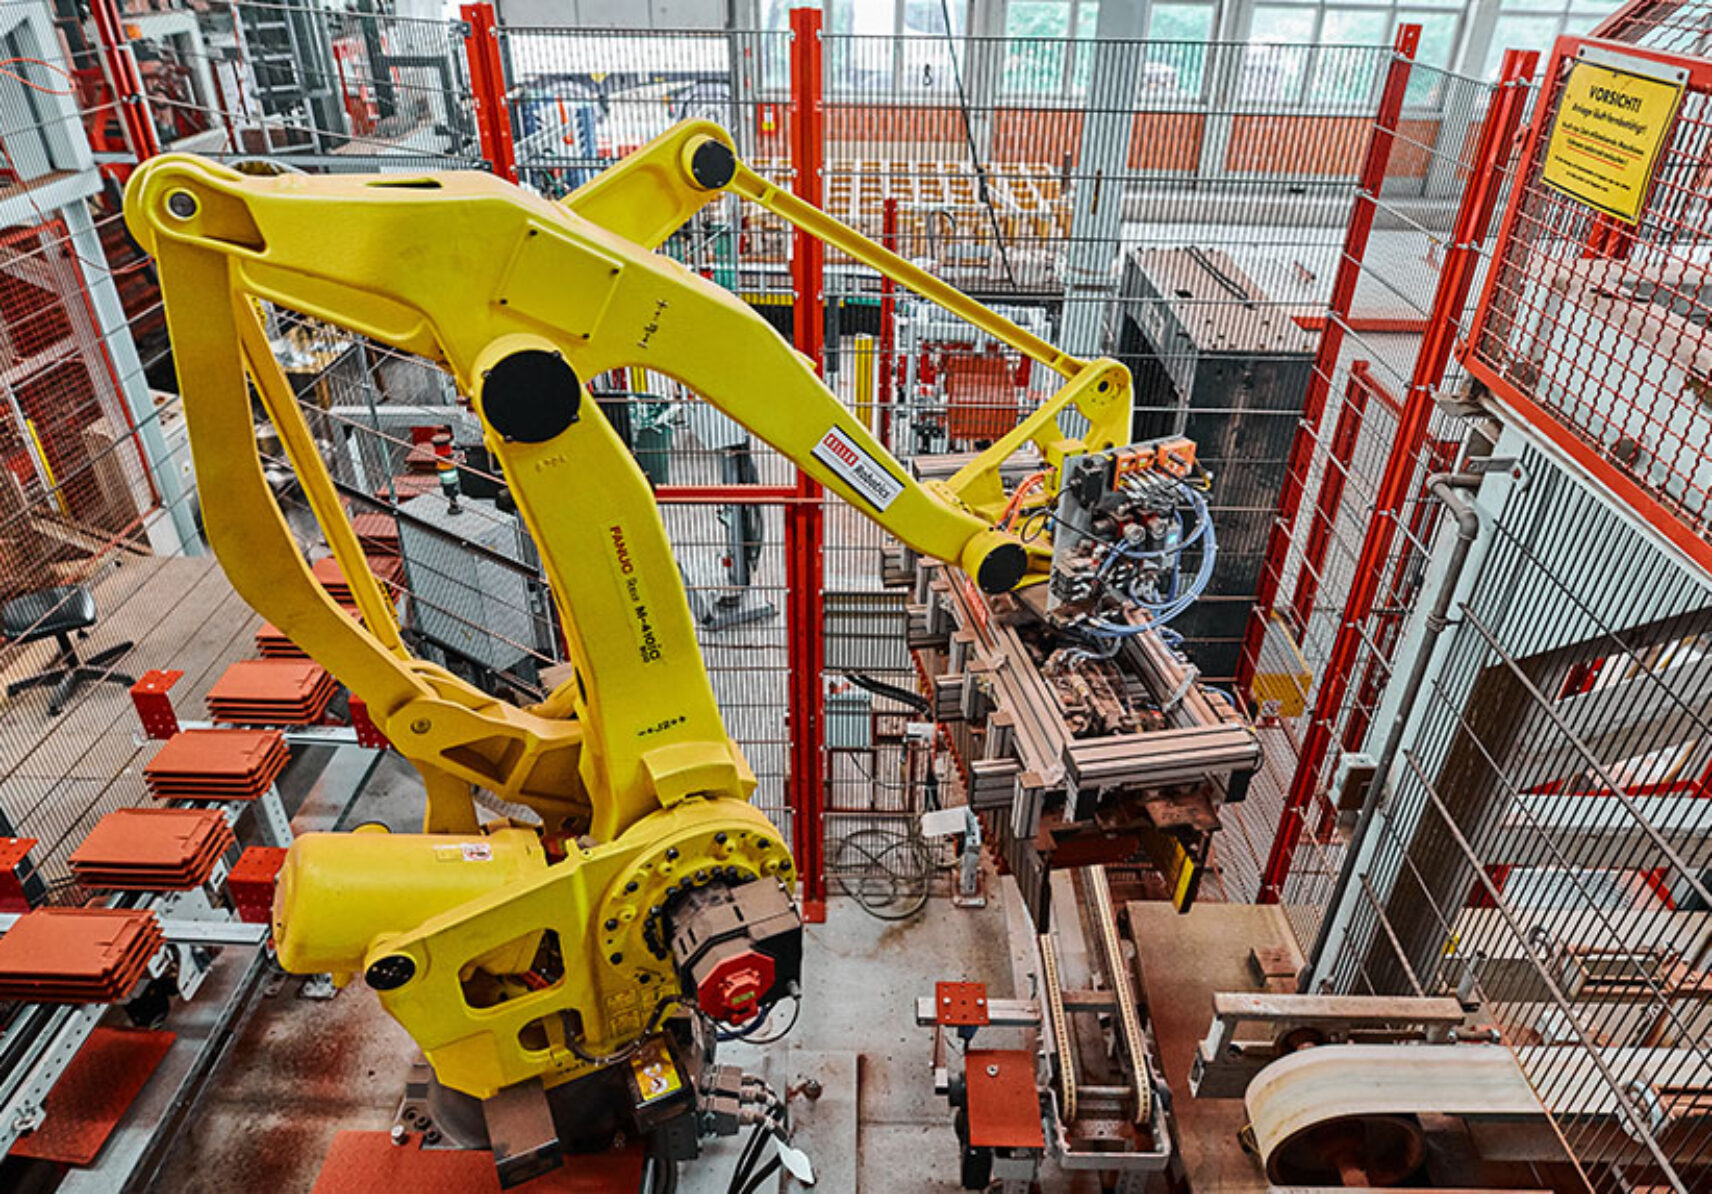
(1462, 259)
(1331, 345)
(804, 519)
(127, 80)
(487, 89)
(888, 309)
(1330, 501)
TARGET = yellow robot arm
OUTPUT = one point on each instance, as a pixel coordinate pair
(521, 299)
(502, 966)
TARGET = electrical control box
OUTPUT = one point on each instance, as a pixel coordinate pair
(471, 573)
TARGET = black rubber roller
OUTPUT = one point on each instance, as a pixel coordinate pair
(1002, 568)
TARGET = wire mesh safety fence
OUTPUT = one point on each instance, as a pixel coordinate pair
(470, 589)
(1677, 28)
(1596, 322)
(1540, 846)
(95, 492)
(318, 87)
(1543, 846)
(1157, 202)
(1318, 677)
(581, 99)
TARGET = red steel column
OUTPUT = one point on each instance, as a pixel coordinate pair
(127, 80)
(888, 345)
(1330, 501)
(487, 89)
(804, 519)
(1473, 218)
(1331, 344)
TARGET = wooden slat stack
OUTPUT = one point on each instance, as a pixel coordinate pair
(1028, 204)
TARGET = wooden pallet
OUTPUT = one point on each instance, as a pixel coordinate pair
(1026, 204)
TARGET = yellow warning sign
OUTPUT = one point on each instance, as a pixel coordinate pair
(1610, 130)
(656, 1073)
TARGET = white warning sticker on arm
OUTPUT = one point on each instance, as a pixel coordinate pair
(857, 468)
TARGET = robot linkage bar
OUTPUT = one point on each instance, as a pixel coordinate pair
(521, 299)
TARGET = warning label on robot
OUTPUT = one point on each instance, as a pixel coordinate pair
(858, 469)
(1611, 129)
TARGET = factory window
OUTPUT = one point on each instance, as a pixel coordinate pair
(863, 55)
(881, 47)
(1298, 52)
(931, 56)
(1440, 32)
(1047, 51)
(1536, 24)
(1177, 54)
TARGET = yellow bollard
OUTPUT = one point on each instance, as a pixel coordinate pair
(864, 353)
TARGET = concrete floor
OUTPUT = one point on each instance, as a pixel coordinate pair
(1181, 961)
(863, 976)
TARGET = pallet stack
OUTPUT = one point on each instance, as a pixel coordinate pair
(217, 765)
(272, 692)
(152, 849)
(1028, 205)
(388, 570)
(77, 955)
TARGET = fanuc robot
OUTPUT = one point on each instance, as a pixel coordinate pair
(575, 968)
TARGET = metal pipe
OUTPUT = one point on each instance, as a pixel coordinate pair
(1452, 490)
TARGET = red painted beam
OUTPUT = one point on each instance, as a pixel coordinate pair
(1382, 325)
(1330, 500)
(805, 519)
(888, 311)
(1473, 218)
(1331, 345)
(727, 495)
(487, 89)
(126, 78)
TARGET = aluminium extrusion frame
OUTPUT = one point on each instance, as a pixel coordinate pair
(1066, 978)
(49, 1036)
(1055, 801)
